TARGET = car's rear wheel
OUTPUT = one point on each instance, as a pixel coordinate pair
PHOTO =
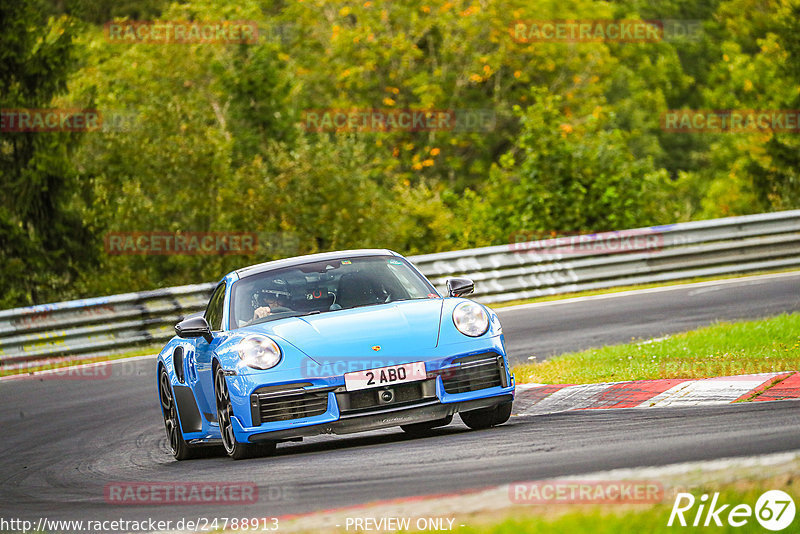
(178, 446)
(420, 429)
(234, 449)
(487, 417)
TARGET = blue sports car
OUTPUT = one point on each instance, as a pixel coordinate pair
(330, 343)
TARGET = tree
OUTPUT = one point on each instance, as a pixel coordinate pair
(43, 240)
(572, 174)
(777, 177)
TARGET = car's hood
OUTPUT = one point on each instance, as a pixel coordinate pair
(401, 330)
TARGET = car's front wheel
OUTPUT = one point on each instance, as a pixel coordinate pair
(487, 417)
(180, 449)
(234, 449)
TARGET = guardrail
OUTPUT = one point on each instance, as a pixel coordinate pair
(501, 273)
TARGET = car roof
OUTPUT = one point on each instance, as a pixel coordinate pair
(299, 260)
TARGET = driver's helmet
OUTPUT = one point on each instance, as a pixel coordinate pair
(275, 290)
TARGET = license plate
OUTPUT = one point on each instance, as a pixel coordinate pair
(385, 376)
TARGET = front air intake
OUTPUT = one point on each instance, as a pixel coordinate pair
(473, 373)
(269, 405)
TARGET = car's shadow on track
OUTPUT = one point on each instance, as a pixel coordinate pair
(328, 443)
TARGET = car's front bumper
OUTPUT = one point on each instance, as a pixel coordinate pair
(454, 384)
(386, 418)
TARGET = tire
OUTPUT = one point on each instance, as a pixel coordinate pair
(233, 448)
(487, 417)
(420, 429)
(178, 446)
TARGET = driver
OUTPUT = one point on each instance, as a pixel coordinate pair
(270, 299)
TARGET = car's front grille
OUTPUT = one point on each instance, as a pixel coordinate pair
(472, 373)
(269, 405)
(402, 394)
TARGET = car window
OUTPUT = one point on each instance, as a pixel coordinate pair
(325, 286)
(213, 313)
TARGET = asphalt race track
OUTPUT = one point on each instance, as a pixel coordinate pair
(65, 440)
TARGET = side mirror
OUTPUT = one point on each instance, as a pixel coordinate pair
(194, 327)
(458, 287)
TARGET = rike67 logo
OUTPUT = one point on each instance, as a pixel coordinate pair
(774, 510)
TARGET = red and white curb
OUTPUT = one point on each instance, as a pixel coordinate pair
(540, 399)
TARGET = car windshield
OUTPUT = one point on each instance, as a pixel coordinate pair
(325, 286)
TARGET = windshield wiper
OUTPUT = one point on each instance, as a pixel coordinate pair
(281, 315)
(389, 302)
(365, 305)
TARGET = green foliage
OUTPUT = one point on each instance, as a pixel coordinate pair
(776, 178)
(101, 11)
(574, 174)
(210, 137)
(42, 236)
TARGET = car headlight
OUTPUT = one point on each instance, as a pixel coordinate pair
(471, 319)
(259, 352)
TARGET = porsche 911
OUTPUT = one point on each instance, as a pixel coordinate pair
(332, 343)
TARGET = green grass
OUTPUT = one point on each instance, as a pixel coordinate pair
(34, 366)
(723, 349)
(611, 519)
(621, 289)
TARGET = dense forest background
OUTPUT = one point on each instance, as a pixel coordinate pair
(209, 137)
